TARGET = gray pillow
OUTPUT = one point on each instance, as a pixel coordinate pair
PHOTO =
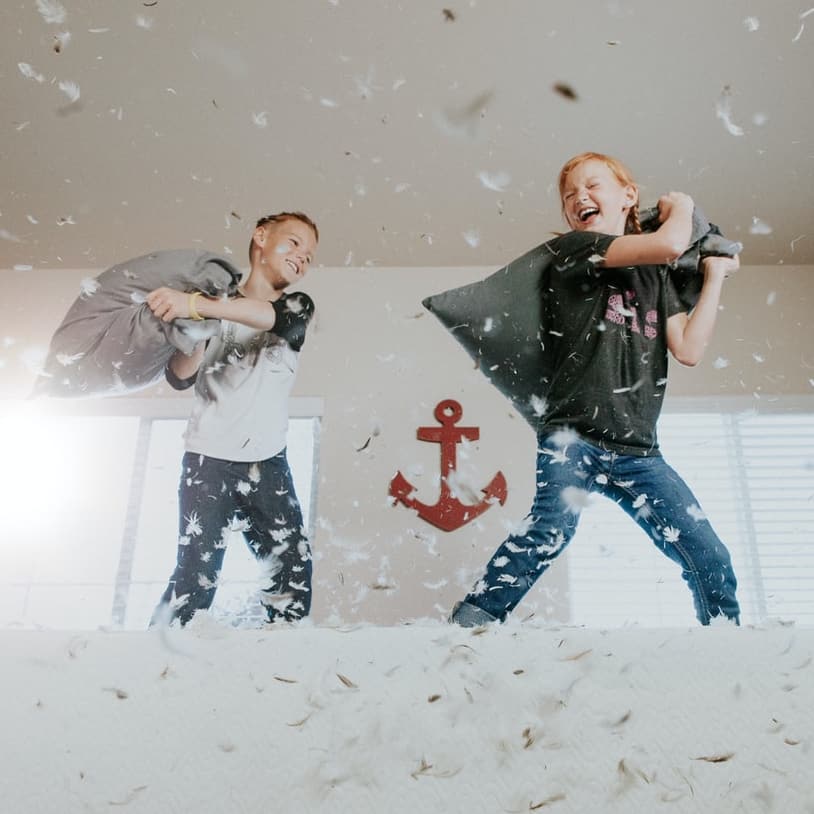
(109, 341)
(706, 241)
(499, 320)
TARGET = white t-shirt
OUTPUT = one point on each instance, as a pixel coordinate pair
(241, 395)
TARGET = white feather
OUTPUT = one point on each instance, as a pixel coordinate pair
(51, 11)
(70, 89)
(723, 113)
(66, 359)
(88, 287)
(29, 73)
(759, 227)
(497, 182)
(472, 238)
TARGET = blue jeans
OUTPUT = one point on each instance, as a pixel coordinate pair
(216, 497)
(647, 488)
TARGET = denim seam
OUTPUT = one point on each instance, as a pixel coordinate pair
(681, 550)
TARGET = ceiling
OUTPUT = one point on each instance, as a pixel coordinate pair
(415, 133)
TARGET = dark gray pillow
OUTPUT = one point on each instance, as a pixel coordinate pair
(499, 320)
(706, 241)
(109, 341)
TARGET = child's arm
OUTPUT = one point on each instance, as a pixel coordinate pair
(182, 370)
(169, 304)
(688, 335)
(661, 247)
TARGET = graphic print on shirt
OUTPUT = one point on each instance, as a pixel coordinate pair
(242, 349)
(622, 310)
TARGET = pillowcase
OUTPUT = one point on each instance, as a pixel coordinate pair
(706, 241)
(499, 320)
(109, 341)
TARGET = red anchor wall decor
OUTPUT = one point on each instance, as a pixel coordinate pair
(448, 513)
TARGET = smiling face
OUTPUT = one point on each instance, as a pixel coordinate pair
(283, 251)
(595, 198)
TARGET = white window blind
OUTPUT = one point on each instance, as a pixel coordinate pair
(753, 475)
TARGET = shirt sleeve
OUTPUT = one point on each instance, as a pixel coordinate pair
(179, 384)
(672, 299)
(581, 254)
(294, 312)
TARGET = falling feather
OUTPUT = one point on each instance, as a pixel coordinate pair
(365, 85)
(60, 41)
(29, 73)
(497, 182)
(538, 404)
(759, 227)
(722, 111)
(722, 758)
(52, 12)
(671, 534)
(71, 90)
(464, 120)
(563, 438)
(472, 238)
(66, 359)
(554, 798)
(802, 24)
(565, 90)
(128, 798)
(575, 499)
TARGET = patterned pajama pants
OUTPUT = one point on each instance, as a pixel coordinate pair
(217, 497)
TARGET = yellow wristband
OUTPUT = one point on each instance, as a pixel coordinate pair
(193, 312)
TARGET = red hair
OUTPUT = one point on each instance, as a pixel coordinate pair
(620, 171)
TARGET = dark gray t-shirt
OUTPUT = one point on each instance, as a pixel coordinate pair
(606, 341)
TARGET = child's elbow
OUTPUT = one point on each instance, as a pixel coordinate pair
(687, 358)
(673, 249)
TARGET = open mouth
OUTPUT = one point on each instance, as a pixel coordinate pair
(585, 214)
(293, 266)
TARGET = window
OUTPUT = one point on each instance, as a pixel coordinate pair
(753, 475)
(89, 511)
(61, 516)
